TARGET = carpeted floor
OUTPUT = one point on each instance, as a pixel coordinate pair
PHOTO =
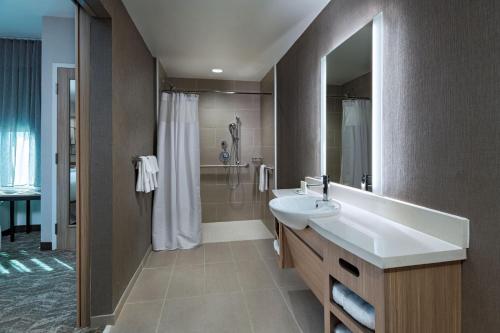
(37, 288)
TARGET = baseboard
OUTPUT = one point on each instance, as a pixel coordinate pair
(20, 228)
(46, 246)
(110, 319)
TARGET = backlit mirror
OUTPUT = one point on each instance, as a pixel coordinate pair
(350, 141)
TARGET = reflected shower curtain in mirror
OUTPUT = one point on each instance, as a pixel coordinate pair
(20, 75)
(356, 141)
(177, 202)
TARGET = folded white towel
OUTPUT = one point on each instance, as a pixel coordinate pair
(360, 310)
(340, 293)
(340, 328)
(263, 178)
(276, 245)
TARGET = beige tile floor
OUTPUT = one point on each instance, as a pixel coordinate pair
(219, 288)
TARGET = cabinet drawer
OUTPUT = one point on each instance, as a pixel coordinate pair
(308, 264)
(356, 274)
(313, 240)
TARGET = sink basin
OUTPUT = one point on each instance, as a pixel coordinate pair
(295, 211)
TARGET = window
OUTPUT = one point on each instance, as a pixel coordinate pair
(24, 159)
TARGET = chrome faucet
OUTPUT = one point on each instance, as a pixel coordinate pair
(325, 182)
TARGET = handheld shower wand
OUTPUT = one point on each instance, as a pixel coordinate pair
(233, 172)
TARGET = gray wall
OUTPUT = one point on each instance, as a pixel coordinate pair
(134, 126)
(101, 167)
(441, 119)
(58, 46)
(121, 222)
(267, 142)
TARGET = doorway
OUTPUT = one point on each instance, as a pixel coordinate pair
(66, 159)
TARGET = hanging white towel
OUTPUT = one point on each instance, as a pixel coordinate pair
(146, 176)
(263, 178)
(147, 167)
(154, 169)
(276, 245)
(139, 187)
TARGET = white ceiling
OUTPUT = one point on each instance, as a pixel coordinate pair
(23, 18)
(351, 59)
(243, 37)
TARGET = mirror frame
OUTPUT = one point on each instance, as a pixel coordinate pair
(377, 85)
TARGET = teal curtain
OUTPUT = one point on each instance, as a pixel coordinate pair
(20, 77)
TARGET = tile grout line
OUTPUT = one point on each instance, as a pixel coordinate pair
(281, 293)
(166, 291)
(247, 308)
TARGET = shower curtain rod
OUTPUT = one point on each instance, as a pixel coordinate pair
(229, 92)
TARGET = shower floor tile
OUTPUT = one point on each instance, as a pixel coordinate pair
(216, 232)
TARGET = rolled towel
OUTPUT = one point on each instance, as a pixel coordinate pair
(340, 293)
(276, 246)
(340, 328)
(360, 310)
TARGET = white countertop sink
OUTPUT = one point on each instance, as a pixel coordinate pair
(295, 211)
(382, 231)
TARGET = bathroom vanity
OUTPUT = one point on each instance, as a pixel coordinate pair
(404, 260)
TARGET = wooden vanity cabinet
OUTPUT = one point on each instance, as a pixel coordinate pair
(413, 299)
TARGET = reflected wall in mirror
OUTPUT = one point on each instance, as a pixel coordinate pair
(349, 111)
(72, 152)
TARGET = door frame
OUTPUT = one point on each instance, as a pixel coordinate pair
(82, 75)
(63, 163)
(54, 121)
(87, 10)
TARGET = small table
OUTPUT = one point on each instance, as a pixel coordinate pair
(13, 194)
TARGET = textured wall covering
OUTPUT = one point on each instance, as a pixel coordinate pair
(267, 142)
(101, 168)
(441, 119)
(123, 241)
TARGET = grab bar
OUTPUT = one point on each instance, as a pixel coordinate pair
(224, 165)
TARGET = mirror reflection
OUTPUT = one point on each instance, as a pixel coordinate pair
(349, 111)
(72, 152)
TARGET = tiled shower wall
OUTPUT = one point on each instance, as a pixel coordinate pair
(216, 112)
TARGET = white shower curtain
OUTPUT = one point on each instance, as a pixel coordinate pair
(177, 203)
(356, 141)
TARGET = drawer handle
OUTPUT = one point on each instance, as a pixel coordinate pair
(349, 267)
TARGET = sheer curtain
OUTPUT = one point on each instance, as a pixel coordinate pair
(356, 141)
(20, 71)
(177, 202)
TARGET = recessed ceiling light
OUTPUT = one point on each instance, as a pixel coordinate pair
(217, 70)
